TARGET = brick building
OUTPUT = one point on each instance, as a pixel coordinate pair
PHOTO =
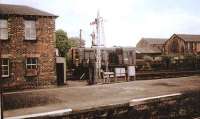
(27, 44)
(183, 44)
(150, 46)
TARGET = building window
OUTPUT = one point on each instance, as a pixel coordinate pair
(174, 46)
(3, 29)
(31, 63)
(113, 58)
(30, 30)
(5, 67)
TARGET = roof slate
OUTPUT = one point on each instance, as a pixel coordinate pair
(148, 48)
(155, 40)
(189, 37)
(8, 9)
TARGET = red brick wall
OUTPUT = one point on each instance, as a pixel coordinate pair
(183, 47)
(180, 46)
(17, 49)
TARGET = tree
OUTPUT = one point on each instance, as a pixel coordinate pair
(75, 42)
(62, 42)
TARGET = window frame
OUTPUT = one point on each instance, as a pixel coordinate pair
(32, 30)
(4, 28)
(31, 64)
(2, 68)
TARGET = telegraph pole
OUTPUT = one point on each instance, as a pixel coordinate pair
(80, 38)
(1, 90)
(1, 85)
(97, 43)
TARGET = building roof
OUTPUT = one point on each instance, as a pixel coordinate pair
(7, 9)
(155, 40)
(145, 45)
(189, 37)
(148, 50)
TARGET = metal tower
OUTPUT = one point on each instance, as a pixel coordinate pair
(98, 40)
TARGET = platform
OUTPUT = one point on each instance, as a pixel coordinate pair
(89, 97)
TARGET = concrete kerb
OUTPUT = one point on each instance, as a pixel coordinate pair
(134, 102)
(45, 114)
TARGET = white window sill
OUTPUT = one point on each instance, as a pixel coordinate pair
(3, 39)
(5, 76)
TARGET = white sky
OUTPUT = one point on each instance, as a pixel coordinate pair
(126, 21)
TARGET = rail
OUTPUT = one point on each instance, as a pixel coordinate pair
(164, 74)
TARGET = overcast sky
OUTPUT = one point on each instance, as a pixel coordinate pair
(126, 21)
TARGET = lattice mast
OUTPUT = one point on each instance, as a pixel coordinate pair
(98, 40)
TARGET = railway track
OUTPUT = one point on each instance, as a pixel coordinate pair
(165, 74)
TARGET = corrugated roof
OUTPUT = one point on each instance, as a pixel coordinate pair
(7, 9)
(189, 37)
(155, 40)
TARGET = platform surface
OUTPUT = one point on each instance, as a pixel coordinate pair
(87, 97)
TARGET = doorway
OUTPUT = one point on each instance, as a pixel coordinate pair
(60, 73)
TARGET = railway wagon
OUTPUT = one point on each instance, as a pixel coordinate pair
(111, 59)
